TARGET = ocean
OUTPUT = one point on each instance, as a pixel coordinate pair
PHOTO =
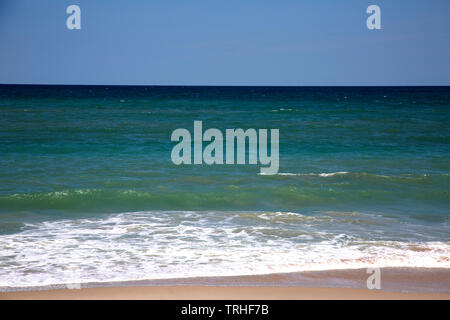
(88, 191)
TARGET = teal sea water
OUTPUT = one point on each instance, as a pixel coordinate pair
(88, 189)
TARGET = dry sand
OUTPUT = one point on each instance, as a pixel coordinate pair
(221, 293)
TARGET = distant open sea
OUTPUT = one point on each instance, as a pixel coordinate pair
(88, 191)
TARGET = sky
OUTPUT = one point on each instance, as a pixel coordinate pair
(232, 42)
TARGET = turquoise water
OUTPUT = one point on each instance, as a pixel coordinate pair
(87, 182)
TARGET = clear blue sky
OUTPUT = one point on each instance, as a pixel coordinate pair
(229, 42)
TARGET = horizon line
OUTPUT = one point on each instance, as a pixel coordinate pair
(227, 85)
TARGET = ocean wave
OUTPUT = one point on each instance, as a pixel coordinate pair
(406, 176)
(285, 191)
(283, 110)
(169, 244)
(330, 174)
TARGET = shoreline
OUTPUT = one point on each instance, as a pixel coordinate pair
(396, 283)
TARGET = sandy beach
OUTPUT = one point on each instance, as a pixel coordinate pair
(397, 283)
(218, 293)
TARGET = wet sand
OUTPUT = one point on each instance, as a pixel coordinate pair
(396, 283)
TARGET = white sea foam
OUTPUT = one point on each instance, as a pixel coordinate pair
(330, 174)
(158, 245)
